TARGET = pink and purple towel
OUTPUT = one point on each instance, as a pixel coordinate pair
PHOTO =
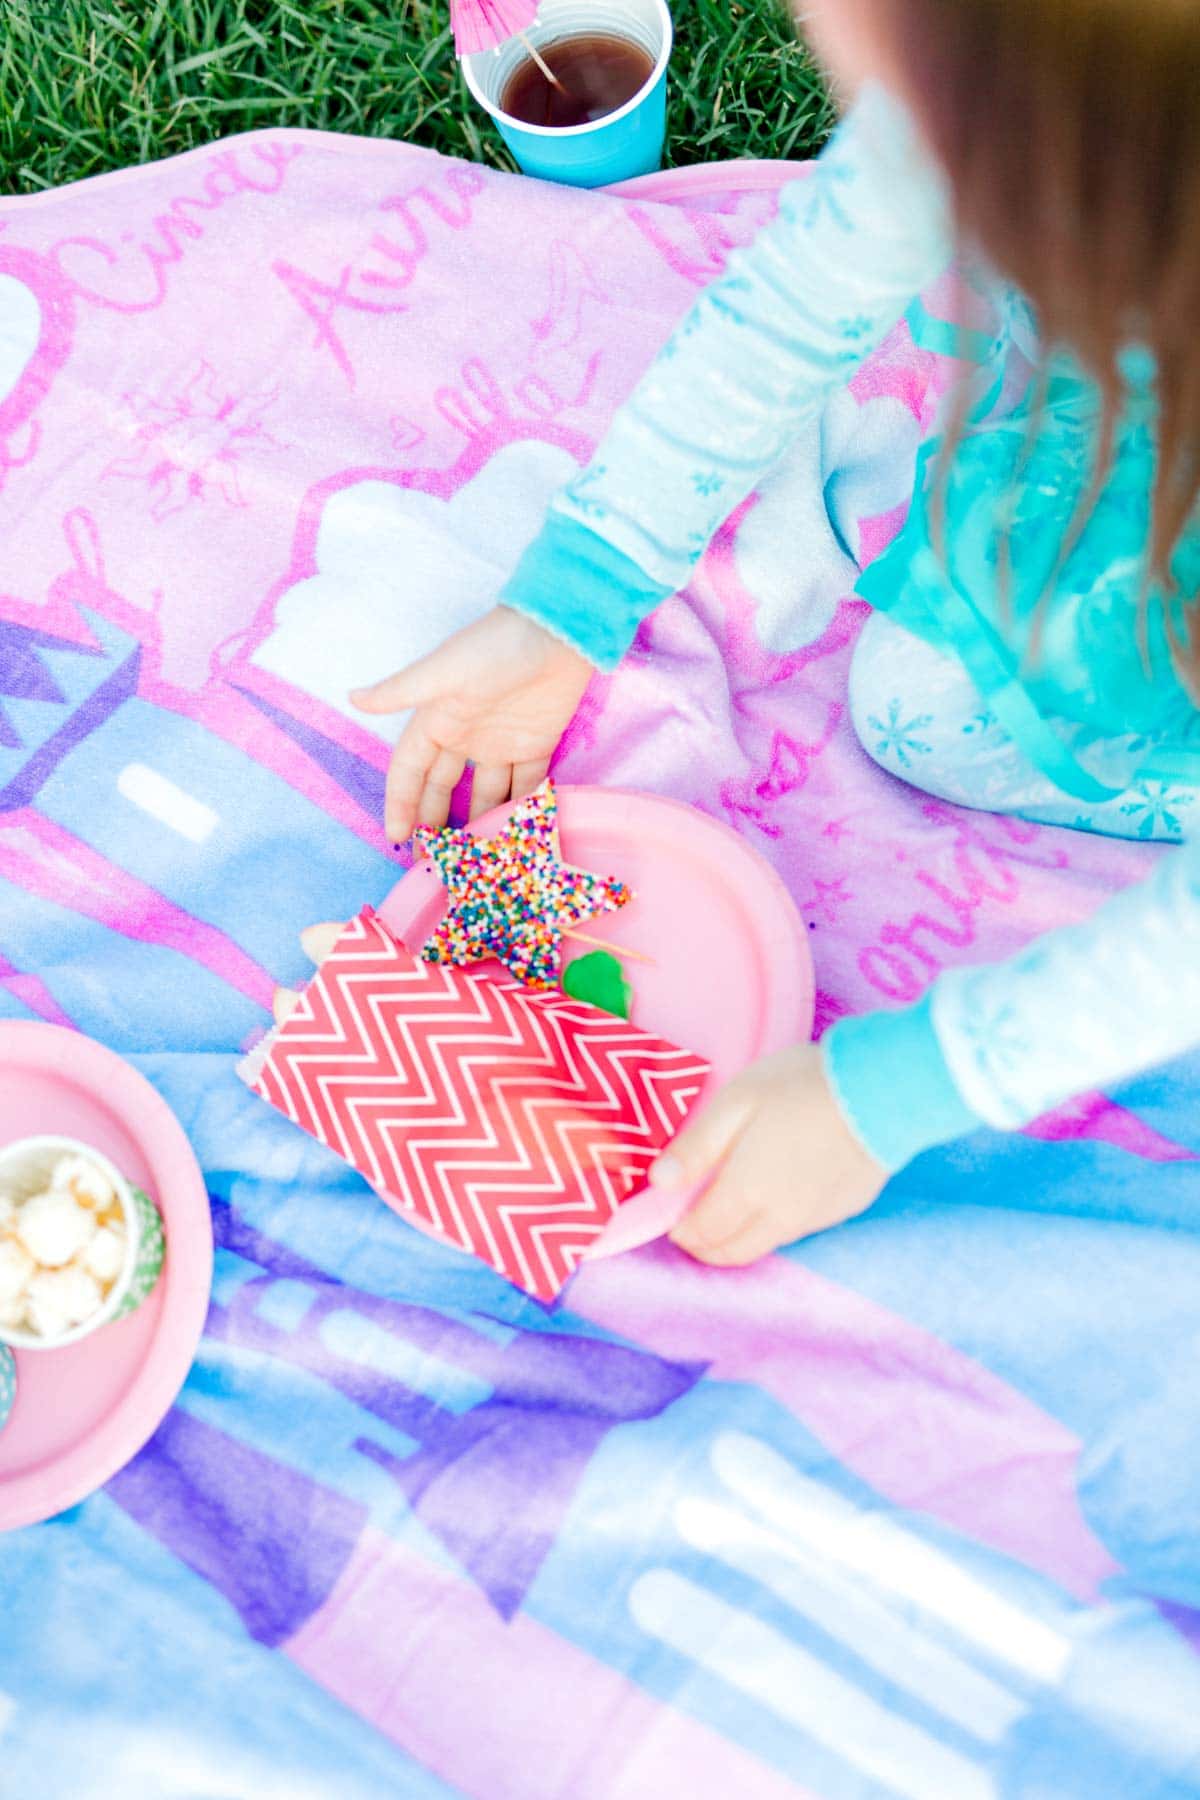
(910, 1510)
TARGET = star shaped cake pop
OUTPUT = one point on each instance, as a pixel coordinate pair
(512, 896)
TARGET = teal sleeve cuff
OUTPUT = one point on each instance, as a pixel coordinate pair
(583, 590)
(891, 1081)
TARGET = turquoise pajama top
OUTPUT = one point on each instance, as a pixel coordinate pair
(1041, 634)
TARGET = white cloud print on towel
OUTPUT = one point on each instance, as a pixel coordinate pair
(20, 332)
(398, 570)
(798, 546)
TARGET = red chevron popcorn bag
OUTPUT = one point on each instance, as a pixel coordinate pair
(508, 1121)
(470, 1048)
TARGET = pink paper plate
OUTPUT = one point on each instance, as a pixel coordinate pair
(731, 975)
(82, 1412)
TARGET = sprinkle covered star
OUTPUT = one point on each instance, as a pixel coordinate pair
(512, 896)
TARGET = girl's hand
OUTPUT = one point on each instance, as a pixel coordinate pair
(785, 1163)
(499, 694)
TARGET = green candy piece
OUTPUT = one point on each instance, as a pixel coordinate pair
(599, 979)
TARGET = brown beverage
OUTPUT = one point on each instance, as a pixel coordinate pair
(598, 72)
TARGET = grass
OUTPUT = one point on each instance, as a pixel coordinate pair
(88, 85)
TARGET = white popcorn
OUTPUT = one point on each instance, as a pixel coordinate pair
(43, 1317)
(53, 1227)
(61, 1298)
(63, 1245)
(105, 1255)
(80, 1176)
(16, 1266)
(12, 1313)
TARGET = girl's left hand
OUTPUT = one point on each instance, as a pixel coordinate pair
(785, 1163)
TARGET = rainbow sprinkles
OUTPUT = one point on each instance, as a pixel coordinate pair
(512, 896)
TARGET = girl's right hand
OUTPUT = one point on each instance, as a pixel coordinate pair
(498, 694)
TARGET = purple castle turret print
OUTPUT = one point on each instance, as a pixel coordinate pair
(110, 802)
(53, 694)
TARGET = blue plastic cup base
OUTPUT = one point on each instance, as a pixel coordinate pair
(627, 143)
(634, 146)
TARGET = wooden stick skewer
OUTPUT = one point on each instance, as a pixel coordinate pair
(542, 64)
(318, 941)
(617, 950)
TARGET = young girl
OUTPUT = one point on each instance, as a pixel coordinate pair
(1035, 610)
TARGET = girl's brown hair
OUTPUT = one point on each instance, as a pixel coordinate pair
(1070, 131)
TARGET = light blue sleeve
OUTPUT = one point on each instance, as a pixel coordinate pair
(890, 1079)
(1084, 1007)
(790, 319)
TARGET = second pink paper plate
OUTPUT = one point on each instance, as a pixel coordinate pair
(729, 973)
(83, 1411)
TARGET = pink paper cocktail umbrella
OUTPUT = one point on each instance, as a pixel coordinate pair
(486, 24)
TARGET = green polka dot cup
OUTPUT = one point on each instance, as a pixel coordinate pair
(150, 1257)
(79, 1273)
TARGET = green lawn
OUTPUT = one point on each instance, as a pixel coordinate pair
(87, 85)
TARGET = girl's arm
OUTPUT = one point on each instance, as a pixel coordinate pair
(806, 1139)
(1087, 1006)
(789, 321)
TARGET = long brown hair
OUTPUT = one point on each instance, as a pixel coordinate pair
(1070, 132)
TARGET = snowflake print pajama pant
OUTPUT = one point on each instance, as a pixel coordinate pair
(919, 716)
